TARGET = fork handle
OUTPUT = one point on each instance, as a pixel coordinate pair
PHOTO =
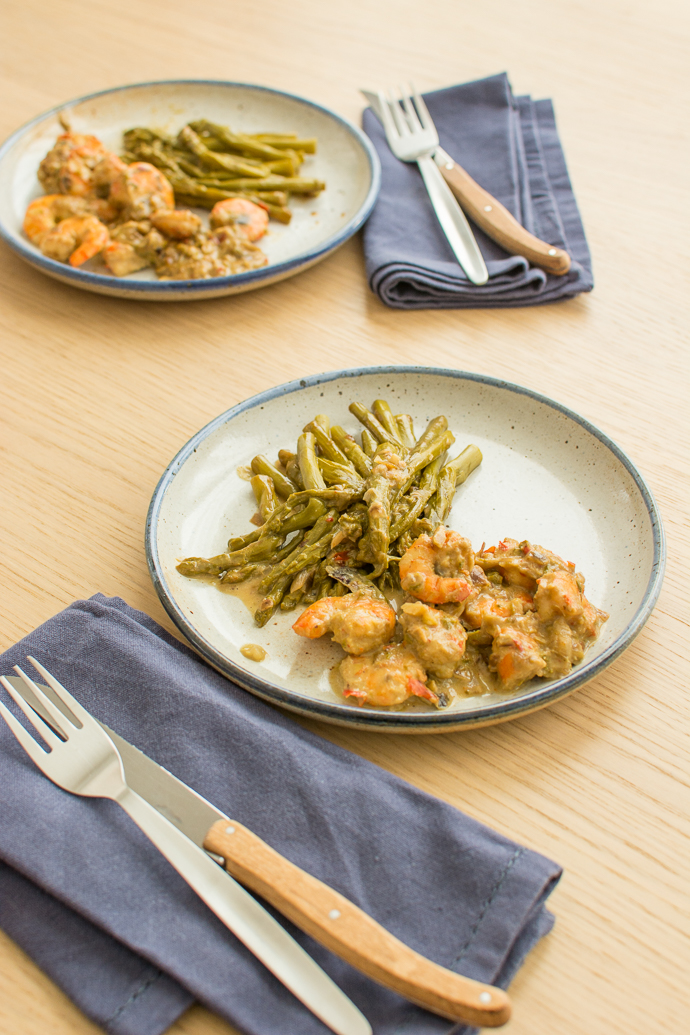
(497, 222)
(352, 934)
(453, 222)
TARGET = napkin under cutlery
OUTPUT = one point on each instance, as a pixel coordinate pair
(87, 896)
(510, 146)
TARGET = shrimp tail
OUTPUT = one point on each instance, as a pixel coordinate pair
(420, 690)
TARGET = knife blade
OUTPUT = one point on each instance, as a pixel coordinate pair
(488, 213)
(316, 908)
(253, 925)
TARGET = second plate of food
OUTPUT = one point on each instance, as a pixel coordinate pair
(549, 485)
(254, 159)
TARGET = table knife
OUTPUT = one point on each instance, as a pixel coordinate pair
(264, 936)
(313, 906)
(488, 213)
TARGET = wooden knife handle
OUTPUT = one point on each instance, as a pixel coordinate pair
(352, 934)
(496, 221)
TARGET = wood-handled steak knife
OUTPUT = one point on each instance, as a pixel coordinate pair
(316, 908)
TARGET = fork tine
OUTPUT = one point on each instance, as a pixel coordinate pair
(412, 118)
(54, 715)
(425, 117)
(79, 717)
(33, 749)
(388, 123)
(396, 111)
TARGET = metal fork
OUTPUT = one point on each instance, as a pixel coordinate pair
(412, 137)
(85, 761)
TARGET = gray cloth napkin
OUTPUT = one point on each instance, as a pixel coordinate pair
(510, 146)
(86, 895)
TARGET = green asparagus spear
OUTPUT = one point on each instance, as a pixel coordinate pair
(214, 160)
(386, 418)
(372, 424)
(306, 456)
(313, 547)
(339, 474)
(266, 495)
(452, 475)
(328, 447)
(271, 601)
(260, 550)
(414, 502)
(357, 457)
(434, 429)
(369, 443)
(238, 542)
(406, 429)
(387, 476)
(284, 487)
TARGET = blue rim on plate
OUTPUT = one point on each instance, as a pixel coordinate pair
(437, 722)
(201, 286)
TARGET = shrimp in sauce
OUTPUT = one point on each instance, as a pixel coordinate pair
(250, 219)
(436, 568)
(75, 240)
(385, 677)
(358, 623)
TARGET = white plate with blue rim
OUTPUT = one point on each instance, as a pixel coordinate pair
(548, 476)
(345, 160)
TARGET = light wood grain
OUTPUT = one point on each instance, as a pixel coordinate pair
(99, 394)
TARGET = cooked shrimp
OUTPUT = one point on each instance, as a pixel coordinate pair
(178, 223)
(517, 653)
(385, 677)
(107, 171)
(45, 213)
(436, 568)
(140, 190)
(121, 258)
(558, 593)
(438, 639)
(75, 239)
(251, 219)
(358, 623)
(68, 166)
(521, 564)
(494, 603)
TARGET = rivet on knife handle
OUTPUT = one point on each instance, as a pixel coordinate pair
(496, 221)
(352, 934)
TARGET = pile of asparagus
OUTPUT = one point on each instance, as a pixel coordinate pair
(207, 163)
(337, 516)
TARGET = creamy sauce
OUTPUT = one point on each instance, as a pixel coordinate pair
(247, 592)
(253, 652)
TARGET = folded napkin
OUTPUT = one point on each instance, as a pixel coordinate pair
(510, 146)
(86, 895)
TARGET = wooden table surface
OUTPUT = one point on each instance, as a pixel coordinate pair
(99, 394)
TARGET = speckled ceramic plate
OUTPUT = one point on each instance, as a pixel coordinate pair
(345, 160)
(547, 475)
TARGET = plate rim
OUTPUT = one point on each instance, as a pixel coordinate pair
(436, 722)
(85, 278)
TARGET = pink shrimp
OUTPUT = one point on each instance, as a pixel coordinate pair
(141, 189)
(75, 240)
(250, 219)
(358, 623)
(385, 677)
(68, 166)
(436, 569)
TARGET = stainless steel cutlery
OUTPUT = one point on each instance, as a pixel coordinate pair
(89, 759)
(412, 136)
